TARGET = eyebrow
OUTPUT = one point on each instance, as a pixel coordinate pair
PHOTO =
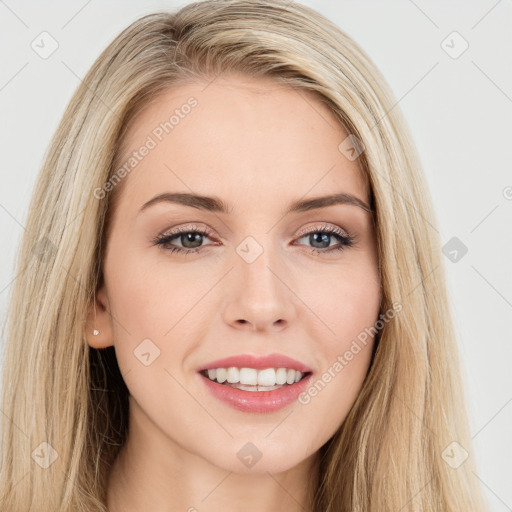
(215, 204)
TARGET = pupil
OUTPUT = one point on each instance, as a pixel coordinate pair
(323, 236)
(190, 237)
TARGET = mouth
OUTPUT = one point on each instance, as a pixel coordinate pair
(254, 379)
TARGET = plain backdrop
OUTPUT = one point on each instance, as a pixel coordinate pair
(449, 65)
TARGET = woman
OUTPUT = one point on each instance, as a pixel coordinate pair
(231, 293)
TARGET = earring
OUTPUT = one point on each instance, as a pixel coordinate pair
(95, 332)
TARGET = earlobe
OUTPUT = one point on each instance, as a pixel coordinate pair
(98, 325)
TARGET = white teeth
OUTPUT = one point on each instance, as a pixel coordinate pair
(233, 375)
(249, 376)
(221, 375)
(265, 378)
(281, 376)
(253, 388)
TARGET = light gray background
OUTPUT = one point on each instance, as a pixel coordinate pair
(459, 111)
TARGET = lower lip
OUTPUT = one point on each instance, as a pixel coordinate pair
(257, 401)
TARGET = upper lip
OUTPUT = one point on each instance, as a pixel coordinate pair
(258, 362)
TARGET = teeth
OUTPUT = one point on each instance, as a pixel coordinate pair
(253, 388)
(281, 376)
(233, 375)
(221, 374)
(249, 376)
(268, 377)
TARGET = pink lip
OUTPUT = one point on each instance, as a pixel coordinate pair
(258, 362)
(257, 401)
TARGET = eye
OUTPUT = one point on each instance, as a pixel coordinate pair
(321, 239)
(191, 239)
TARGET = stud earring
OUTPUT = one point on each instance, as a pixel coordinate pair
(95, 332)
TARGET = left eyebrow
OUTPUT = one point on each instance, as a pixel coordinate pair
(215, 204)
(325, 201)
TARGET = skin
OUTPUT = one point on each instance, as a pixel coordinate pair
(259, 146)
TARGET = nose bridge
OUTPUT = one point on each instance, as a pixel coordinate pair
(258, 263)
(259, 295)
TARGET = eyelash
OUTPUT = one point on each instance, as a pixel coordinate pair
(346, 240)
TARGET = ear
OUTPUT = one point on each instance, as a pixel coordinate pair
(98, 318)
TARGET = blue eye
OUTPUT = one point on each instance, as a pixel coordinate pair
(195, 237)
(325, 235)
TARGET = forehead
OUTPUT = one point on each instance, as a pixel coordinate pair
(238, 138)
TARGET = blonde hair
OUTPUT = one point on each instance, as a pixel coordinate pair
(387, 454)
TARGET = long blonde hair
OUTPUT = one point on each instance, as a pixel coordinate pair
(63, 400)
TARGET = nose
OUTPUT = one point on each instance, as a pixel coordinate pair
(259, 297)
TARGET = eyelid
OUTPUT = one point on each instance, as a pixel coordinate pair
(311, 229)
(187, 228)
(326, 227)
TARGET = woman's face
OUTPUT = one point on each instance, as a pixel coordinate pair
(258, 279)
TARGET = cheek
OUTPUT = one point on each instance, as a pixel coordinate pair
(349, 309)
(157, 310)
(353, 307)
(148, 295)
(345, 359)
(149, 306)
(346, 297)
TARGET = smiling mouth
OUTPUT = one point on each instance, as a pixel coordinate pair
(252, 379)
